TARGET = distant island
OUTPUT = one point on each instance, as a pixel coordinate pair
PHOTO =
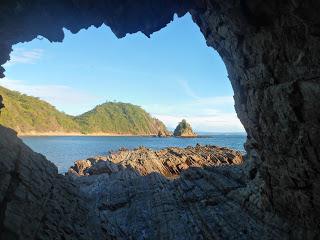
(184, 129)
(31, 116)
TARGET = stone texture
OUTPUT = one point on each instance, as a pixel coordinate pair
(205, 193)
(175, 193)
(26, 181)
(169, 162)
(272, 53)
(198, 205)
(36, 202)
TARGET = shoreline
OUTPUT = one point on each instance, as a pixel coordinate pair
(76, 134)
(99, 134)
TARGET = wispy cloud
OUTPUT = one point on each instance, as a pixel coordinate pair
(204, 100)
(204, 113)
(222, 122)
(65, 98)
(187, 89)
(22, 56)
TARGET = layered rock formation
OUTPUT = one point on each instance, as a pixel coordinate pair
(184, 129)
(35, 201)
(175, 193)
(203, 194)
(169, 162)
(272, 53)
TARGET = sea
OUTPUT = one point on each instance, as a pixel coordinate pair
(64, 151)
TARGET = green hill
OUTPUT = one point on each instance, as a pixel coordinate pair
(30, 115)
(114, 117)
(27, 114)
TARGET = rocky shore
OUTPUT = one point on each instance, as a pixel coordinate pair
(169, 162)
(202, 192)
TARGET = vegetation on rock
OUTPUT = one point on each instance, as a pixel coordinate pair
(27, 114)
(116, 117)
(184, 129)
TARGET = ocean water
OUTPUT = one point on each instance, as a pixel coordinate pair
(63, 151)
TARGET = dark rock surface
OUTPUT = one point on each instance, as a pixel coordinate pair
(272, 53)
(184, 129)
(35, 201)
(129, 198)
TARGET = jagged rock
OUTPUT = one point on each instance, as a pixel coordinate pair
(184, 129)
(169, 162)
(203, 194)
(162, 133)
(35, 201)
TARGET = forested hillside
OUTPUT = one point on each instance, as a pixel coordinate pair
(30, 115)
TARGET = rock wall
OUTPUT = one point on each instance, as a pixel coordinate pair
(272, 53)
(35, 201)
(26, 181)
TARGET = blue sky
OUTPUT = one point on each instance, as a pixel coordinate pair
(173, 75)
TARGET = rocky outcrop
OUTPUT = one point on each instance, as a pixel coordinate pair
(130, 202)
(162, 134)
(162, 129)
(205, 193)
(35, 201)
(184, 129)
(169, 162)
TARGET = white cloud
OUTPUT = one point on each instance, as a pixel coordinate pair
(223, 122)
(19, 55)
(187, 89)
(63, 97)
(214, 114)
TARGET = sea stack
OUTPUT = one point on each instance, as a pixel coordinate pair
(184, 129)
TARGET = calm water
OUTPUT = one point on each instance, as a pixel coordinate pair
(63, 151)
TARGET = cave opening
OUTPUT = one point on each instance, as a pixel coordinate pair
(162, 75)
(271, 51)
